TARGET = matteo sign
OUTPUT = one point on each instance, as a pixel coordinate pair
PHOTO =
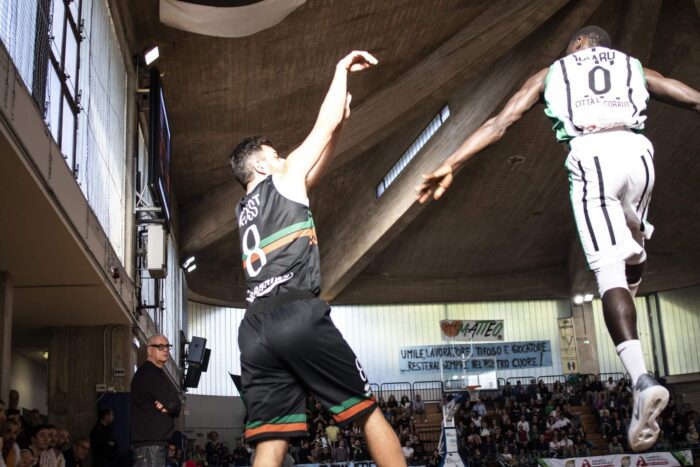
(489, 330)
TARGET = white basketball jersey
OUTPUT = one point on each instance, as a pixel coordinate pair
(595, 89)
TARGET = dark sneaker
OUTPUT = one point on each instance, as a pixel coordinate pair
(650, 399)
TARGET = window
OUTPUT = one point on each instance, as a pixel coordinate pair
(411, 152)
(61, 97)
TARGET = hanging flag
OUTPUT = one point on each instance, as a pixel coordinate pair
(226, 18)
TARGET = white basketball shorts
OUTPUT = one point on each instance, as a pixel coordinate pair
(611, 177)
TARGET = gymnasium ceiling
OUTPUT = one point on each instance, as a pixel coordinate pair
(505, 230)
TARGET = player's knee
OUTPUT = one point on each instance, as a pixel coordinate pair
(611, 276)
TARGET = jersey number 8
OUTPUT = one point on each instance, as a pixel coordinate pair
(255, 251)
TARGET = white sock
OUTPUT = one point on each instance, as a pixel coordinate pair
(633, 289)
(632, 358)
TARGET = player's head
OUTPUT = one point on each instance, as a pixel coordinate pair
(590, 36)
(254, 155)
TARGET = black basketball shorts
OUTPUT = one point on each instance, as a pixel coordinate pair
(290, 347)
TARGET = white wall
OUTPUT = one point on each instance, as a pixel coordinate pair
(680, 319)
(214, 413)
(31, 380)
(608, 359)
(377, 333)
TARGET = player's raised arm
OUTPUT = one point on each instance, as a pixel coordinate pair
(435, 183)
(671, 90)
(304, 158)
(316, 173)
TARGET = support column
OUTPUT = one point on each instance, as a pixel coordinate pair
(6, 309)
(586, 339)
(81, 357)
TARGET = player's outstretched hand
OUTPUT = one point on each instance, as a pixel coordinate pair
(357, 60)
(434, 184)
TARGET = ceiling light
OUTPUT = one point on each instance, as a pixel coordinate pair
(588, 297)
(45, 355)
(187, 262)
(152, 55)
(192, 268)
(578, 299)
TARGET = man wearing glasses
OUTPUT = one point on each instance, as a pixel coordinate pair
(154, 405)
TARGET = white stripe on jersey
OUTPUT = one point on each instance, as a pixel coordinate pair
(595, 89)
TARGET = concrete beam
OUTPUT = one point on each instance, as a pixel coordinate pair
(347, 250)
(467, 54)
(637, 34)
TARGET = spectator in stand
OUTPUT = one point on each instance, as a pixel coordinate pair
(678, 438)
(200, 456)
(359, 453)
(532, 389)
(561, 423)
(418, 447)
(506, 457)
(408, 451)
(518, 391)
(54, 454)
(581, 449)
(418, 407)
(692, 437)
(10, 449)
(392, 404)
(172, 460)
(480, 408)
(342, 453)
(523, 424)
(40, 438)
(610, 385)
(27, 458)
(102, 442)
(75, 457)
(507, 391)
(304, 455)
(332, 432)
(434, 460)
(63, 440)
(615, 447)
(541, 445)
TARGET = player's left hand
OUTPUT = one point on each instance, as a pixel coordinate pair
(357, 60)
(160, 407)
(435, 184)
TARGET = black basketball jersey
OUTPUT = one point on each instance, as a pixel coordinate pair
(278, 242)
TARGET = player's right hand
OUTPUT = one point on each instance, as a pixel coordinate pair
(357, 60)
(435, 184)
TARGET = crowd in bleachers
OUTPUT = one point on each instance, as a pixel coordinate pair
(27, 440)
(514, 426)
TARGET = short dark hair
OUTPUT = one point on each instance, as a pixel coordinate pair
(596, 36)
(36, 429)
(240, 157)
(103, 412)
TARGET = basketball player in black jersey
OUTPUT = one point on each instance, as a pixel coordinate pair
(288, 342)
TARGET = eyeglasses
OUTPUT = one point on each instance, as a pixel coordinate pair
(162, 347)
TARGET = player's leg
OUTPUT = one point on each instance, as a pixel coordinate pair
(381, 439)
(601, 195)
(270, 453)
(274, 398)
(328, 367)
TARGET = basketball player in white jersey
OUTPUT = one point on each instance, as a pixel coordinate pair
(596, 97)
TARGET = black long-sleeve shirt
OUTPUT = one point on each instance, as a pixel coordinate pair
(148, 424)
